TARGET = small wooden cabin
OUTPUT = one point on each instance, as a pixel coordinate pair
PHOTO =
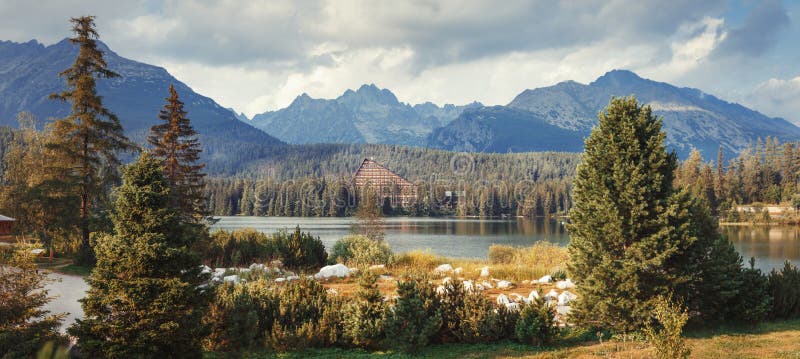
(6, 225)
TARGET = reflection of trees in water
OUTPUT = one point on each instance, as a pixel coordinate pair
(773, 242)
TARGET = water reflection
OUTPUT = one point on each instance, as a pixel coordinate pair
(769, 245)
(471, 238)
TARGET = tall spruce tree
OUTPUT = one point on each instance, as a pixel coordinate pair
(144, 298)
(175, 142)
(632, 236)
(91, 135)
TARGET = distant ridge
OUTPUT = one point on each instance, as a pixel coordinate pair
(367, 115)
(29, 73)
(692, 119)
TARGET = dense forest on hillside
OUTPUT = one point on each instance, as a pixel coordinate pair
(315, 180)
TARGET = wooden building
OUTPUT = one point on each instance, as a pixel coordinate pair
(6, 225)
(385, 183)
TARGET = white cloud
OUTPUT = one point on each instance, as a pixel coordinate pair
(778, 98)
(257, 56)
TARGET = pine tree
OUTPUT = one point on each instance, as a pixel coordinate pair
(90, 136)
(24, 325)
(369, 219)
(632, 236)
(175, 143)
(144, 298)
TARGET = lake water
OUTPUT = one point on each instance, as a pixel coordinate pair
(471, 238)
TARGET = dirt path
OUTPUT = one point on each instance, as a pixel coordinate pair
(66, 290)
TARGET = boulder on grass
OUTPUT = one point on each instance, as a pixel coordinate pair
(545, 279)
(443, 269)
(565, 284)
(485, 272)
(337, 270)
(502, 299)
(504, 284)
(566, 297)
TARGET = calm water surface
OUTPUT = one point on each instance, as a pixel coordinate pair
(471, 238)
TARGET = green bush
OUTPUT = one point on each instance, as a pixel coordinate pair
(536, 324)
(302, 319)
(361, 252)
(299, 249)
(232, 320)
(664, 331)
(242, 247)
(416, 317)
(479, 320)
(784, 288)
(753, 303)
(365, 317)
(451, 301)
(239, 247)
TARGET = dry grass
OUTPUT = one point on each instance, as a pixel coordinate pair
(505, 262)
(519, 265)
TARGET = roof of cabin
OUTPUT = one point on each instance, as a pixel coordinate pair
(6, 219)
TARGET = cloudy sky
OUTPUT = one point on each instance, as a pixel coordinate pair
(256, 56)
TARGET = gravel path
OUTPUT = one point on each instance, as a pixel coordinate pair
(66, 290)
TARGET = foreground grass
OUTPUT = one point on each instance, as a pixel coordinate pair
(768, 340)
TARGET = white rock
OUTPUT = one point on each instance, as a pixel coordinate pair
(468, 286)
(332, 291)
(551, 295)
(220, 271)
(353, 271)
(487, 284)
(244, 270)
(385, 277)
(514, 307)
(377, 267)
(518, 298)
(280, 280)
(440, 290)
(533, 296)
(502, 299)
(336, 270)
(443, 269)
(565, 284)
(257, 266)
(480, 287)
(485, 272)
(447, 280)
(231, 278)
(458, 271)
(524, 282)
(205, 269)
(37, 251)
(566, 297)
(504, 284)
(292, 277)
(545, 279)
(563, 310)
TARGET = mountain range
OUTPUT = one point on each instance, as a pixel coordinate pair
(29, 74)
(367, 115)
(554, 118)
